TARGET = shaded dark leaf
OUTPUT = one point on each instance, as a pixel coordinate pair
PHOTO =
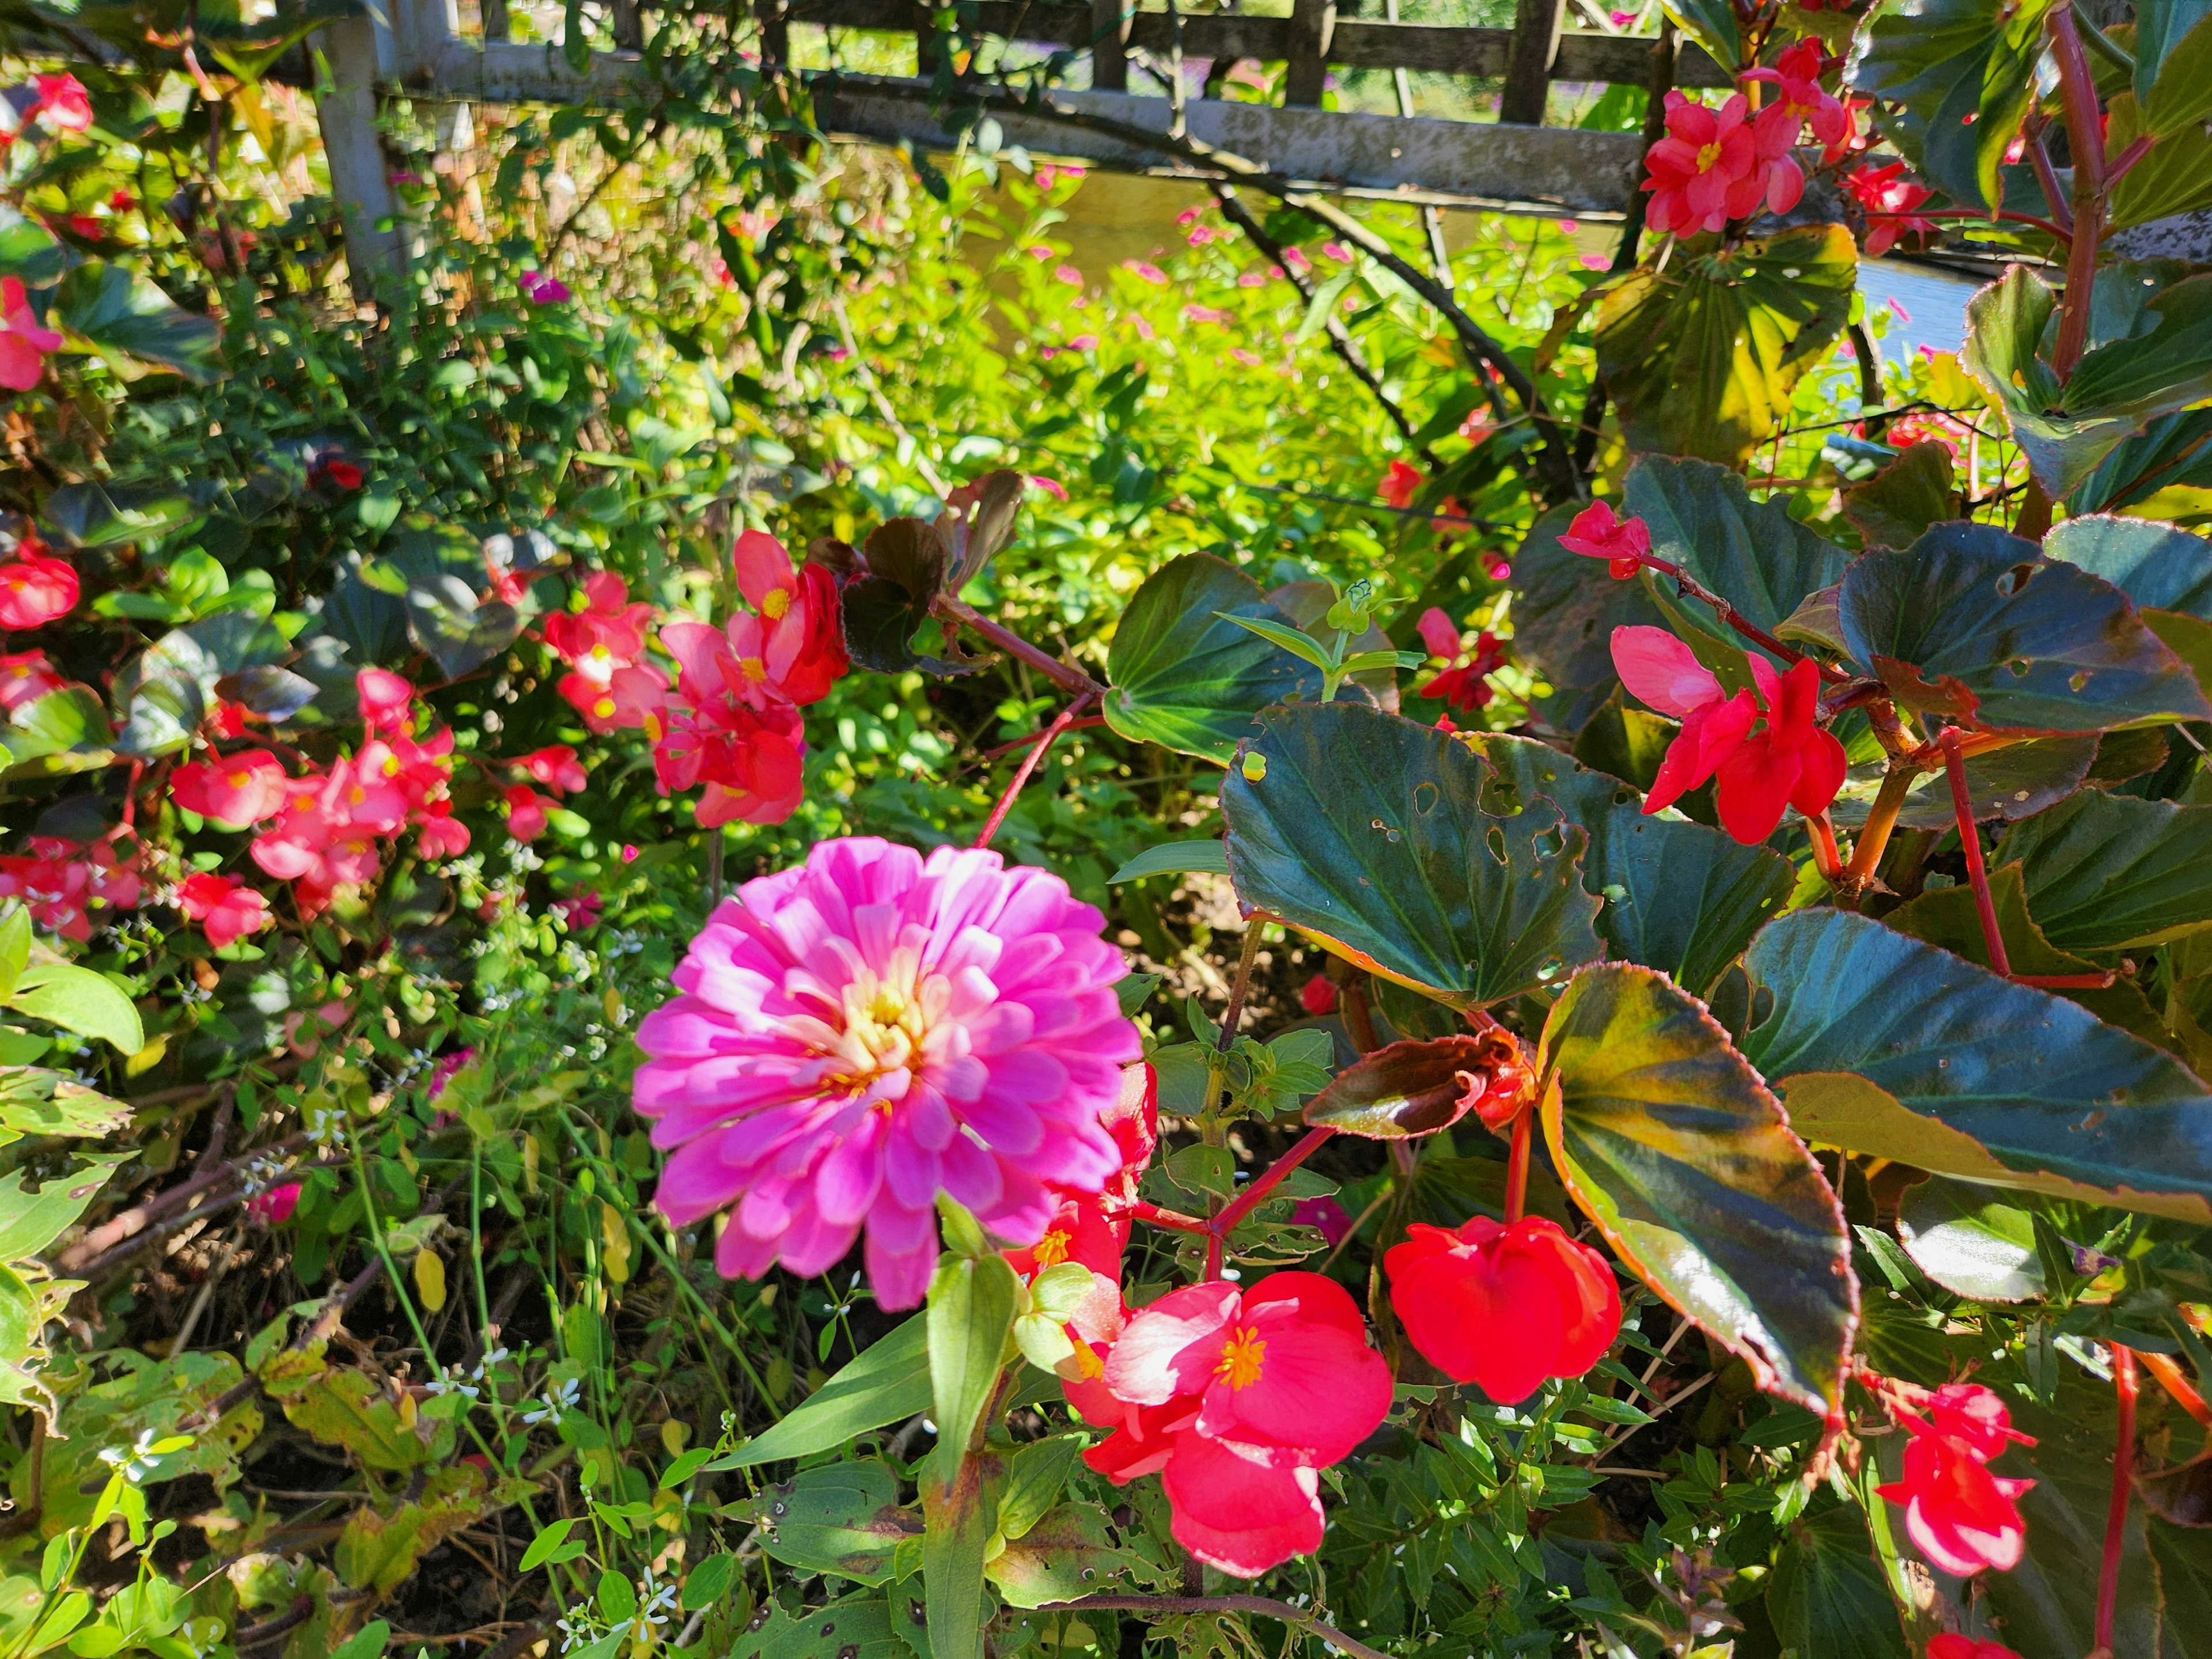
(1412, 1088)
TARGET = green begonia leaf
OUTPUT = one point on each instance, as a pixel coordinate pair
(2113, 873)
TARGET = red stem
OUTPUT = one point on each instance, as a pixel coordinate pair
(1073, 680)
(1970, 838)
(1083, 724)
(1735, 619)
(2085, 138)
(2047, 176)
(2128, 157)
(1824, 847)
(1176, 1220)
(2066, 981)
(2170, 1378)
(1516, 1167)
(2046, 226)
(1022, 774)
(1244, 1202)
(2116, 1516)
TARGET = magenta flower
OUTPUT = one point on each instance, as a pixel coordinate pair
(542, 289)
(859, 1034)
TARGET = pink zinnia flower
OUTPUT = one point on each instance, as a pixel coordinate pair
(857, 1034)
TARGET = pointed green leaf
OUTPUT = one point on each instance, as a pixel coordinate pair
(1974, 624)
(1667, 1139)
(1701, 358)
(1186, 677)
(1702, 519)
(77, 999)
(121, 311)
(887, 1382)
(2113, 872)
(959, 1519)
(1970, 1241)
(1368, 832)
(1964, 71)
(1826, 1596)
(1890, 1047)
(971, 1309)
(1176, 858)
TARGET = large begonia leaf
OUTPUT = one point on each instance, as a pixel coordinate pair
(842, 1518)
(1974, 624)
(1700, 357)
(2113, 873)
(1826, 1596)
(2173, 50)
(1183, 675)
(2150, 354)
(2167, 571)
(1563, 621)
(1899, 504)
(1667, 1138)
(1891, 1047)
(1679, 897)
(1368, 831)
(1964, 73)
(2174, 176)
(123, 312)
(2016, 781)
(860, 1626)
(1702, 518)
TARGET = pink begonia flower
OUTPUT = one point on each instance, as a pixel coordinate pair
(226, 909)
(442, 1072)
(63, 882)
(856, 1035)
(25, 678)
(1803, 103)
(526, 812)
(1708, 169)
(23, 343)
(1202, 234)
(1145, 270)
(1897, 310)
(1038, 252)
(542, 289)
(579, 913)
(1296, 259)
(64, 104)
(1069, 274)
(1196, 313)
(1051, 487)
(1567, 227)
(1598, 532)
(1252, 279)
(1439, 633)
(1336, 251)
(35, 588)
(387, 700)
(557, 768)
(237, 789)
(629, 854)
(1189, 216)
(274, 1207)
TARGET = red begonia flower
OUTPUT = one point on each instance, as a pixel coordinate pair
(1239, 1399)
(556, 767)
(237, 789)
(1504, 1307)
(1803, 103)
(1319, 996)
(387, 700)
(1961, 1516)
(1707, 170)
(526, 812)
(1665, 674)
(25, 678)
(64, 104)
(1400, 484)
(1952, 1645)
(226, 909)
(34, 588)
(1893, 202)
(1791, 762)
(23, 343)
(1597, 533)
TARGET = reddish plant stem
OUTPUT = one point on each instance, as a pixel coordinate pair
(1516, 1167)
(1256, 1191)
(1022, 773)
(1970, 838)
(1060, 673)
(2067, 981)
(2084, 139)
(1083, 724)
(2004, 214)
(2168, 1373)
(2038, 156)
(2127, 159)
(2115, 1514)
(1825, 854)
(1359, 1017)
(1174, 1220)
(1735, 619)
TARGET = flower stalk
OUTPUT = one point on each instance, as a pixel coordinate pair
(2115, 1513)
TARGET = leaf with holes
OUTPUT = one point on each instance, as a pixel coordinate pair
(1368, 832)
(1701, 358)
(1403, 1089)
(853, 1627)
(1702, 519)
(1065, 1555)
(1185, 676)
(1679, 897)
(1884, 1045)
(2016, 781)
(2167, 571)
(1974, 623)
(1671, 1143)
(841, 1518)
(2113, 872)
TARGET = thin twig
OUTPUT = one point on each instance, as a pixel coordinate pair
(883, 403)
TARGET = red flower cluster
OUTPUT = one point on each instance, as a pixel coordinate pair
(1790, 761)
(733, 722)
(1465, 683)
(35, 587)
(226, 909)
(326, 825)
(1239, 1399)
(1892, 203)
(63, 882)
(1718, 165)
(1400, 484)
(560, 771)
(25, 678)
(23, 343)
(1504, 1307)
(602, 644)
(1803, 103)
(64, 104)
(1960, 1515)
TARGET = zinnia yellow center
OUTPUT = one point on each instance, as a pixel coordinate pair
(1241, 1358)
(887, 1016)
(1708, 156)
